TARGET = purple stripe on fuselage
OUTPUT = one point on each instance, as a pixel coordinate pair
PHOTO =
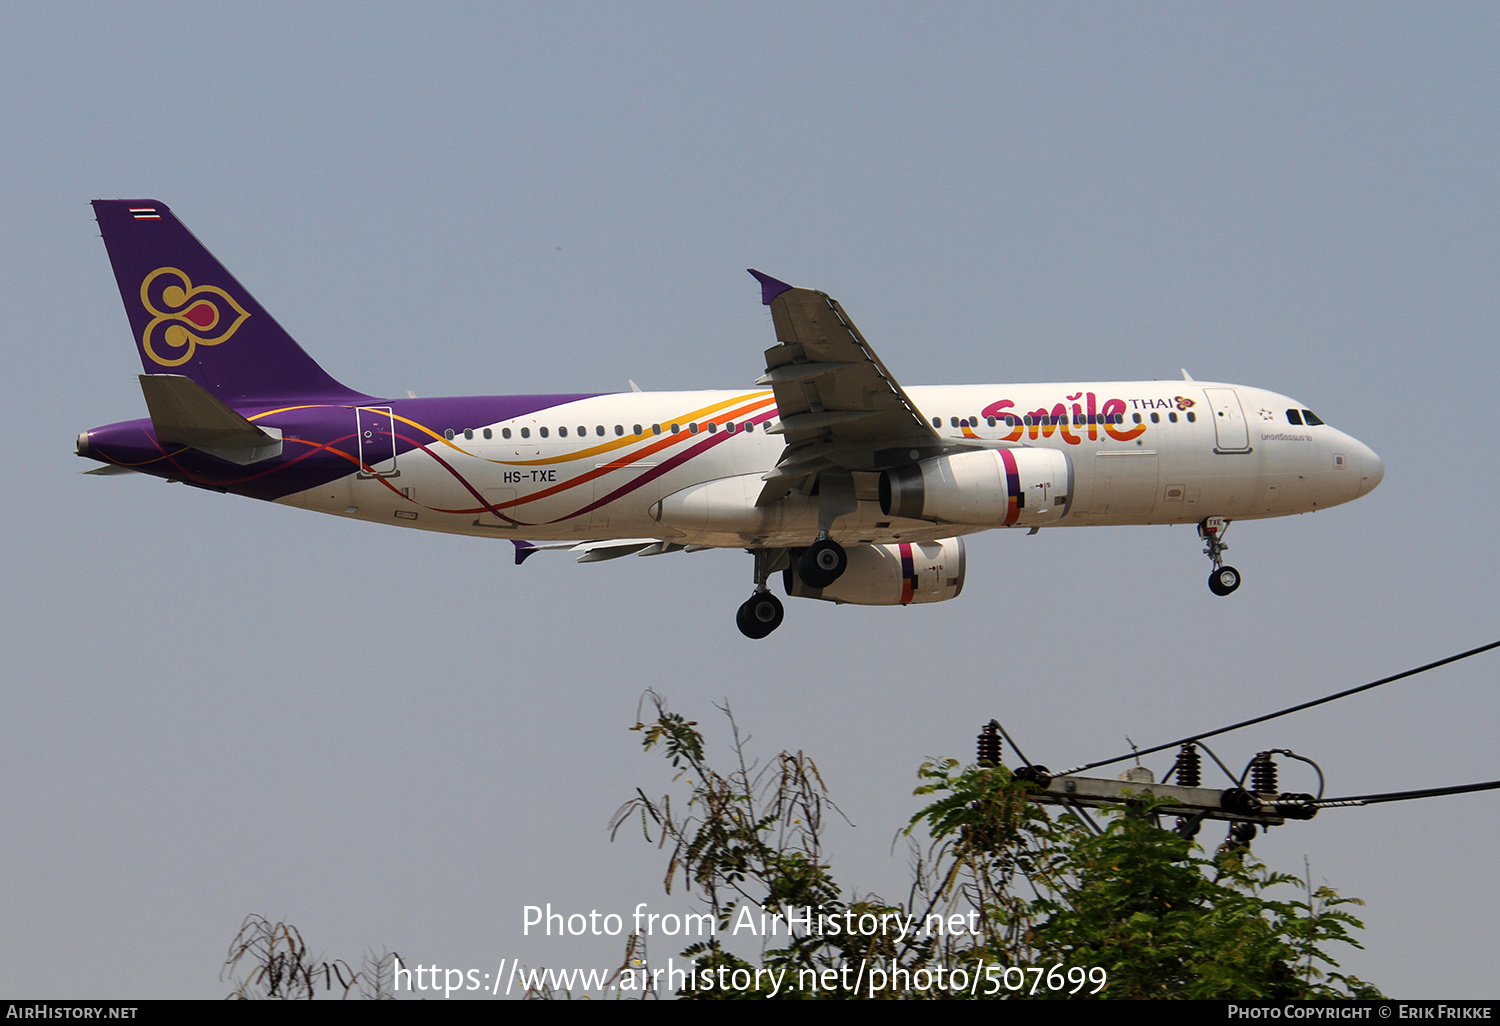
(319, 443)
(661, 468)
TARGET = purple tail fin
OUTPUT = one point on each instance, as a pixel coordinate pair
(191, 317)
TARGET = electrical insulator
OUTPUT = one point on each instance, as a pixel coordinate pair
(1240, 835)
(1238, 801)
(989, 744)
(1038, 775)
(1263, 774)
(1296, 806)
(1189, 766)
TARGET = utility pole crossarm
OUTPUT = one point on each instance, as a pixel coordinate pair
(1234, 804)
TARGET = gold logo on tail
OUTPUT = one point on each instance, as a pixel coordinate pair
(185, 316)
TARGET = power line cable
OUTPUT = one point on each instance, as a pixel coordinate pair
(1399, 796)
(1284, 712)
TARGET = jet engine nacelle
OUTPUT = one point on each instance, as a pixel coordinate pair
(987, 488)
(892, 575)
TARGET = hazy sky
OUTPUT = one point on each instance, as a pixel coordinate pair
(213, 706)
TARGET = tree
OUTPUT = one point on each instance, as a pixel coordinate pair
(1029, 905)
(277, 965)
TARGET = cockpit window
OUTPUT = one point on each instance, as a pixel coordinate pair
(1293, 417)
(1313, 420)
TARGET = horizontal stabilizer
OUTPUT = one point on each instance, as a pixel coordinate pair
(183, 413)
(110, 470)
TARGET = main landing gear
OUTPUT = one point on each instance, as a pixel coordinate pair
(762, 613)
(1224, 579)
(818, 566)
(822, 563)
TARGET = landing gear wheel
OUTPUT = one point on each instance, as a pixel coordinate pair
(1223, 580)
(760, 615)
(822, 564)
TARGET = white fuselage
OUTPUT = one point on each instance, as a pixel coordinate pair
(682, 466)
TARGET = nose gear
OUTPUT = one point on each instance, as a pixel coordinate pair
(1224, 579)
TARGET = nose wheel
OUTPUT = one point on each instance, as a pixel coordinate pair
(1224, 579)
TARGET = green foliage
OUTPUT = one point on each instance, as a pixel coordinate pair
(1164, 919)
(1159, 916)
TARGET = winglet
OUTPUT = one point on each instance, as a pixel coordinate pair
(523, 549)
(770, 288)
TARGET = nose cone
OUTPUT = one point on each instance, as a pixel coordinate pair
(1370, 467)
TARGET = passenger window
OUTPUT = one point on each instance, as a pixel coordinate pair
(542, 432)
(526, 432)
(468, 434)
(583, 432)
(953, 421)
(676, 429)
(990, 421)
(562, 432)
(713, 428)
(620, 430)
(1136, 417)
(599, 430)
(505, 432)
(693, 427)
(656, 429)
(448, 434)
(638, 430)
(1156, 418)
(937, 422)
(1313, 420)
(488, 434)
(1192, 416)
(749, 425)
(1172, 417)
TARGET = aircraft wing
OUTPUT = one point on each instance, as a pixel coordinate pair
(838, 405)
(601, 549)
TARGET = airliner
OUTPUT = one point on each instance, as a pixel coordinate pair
(826, 469)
